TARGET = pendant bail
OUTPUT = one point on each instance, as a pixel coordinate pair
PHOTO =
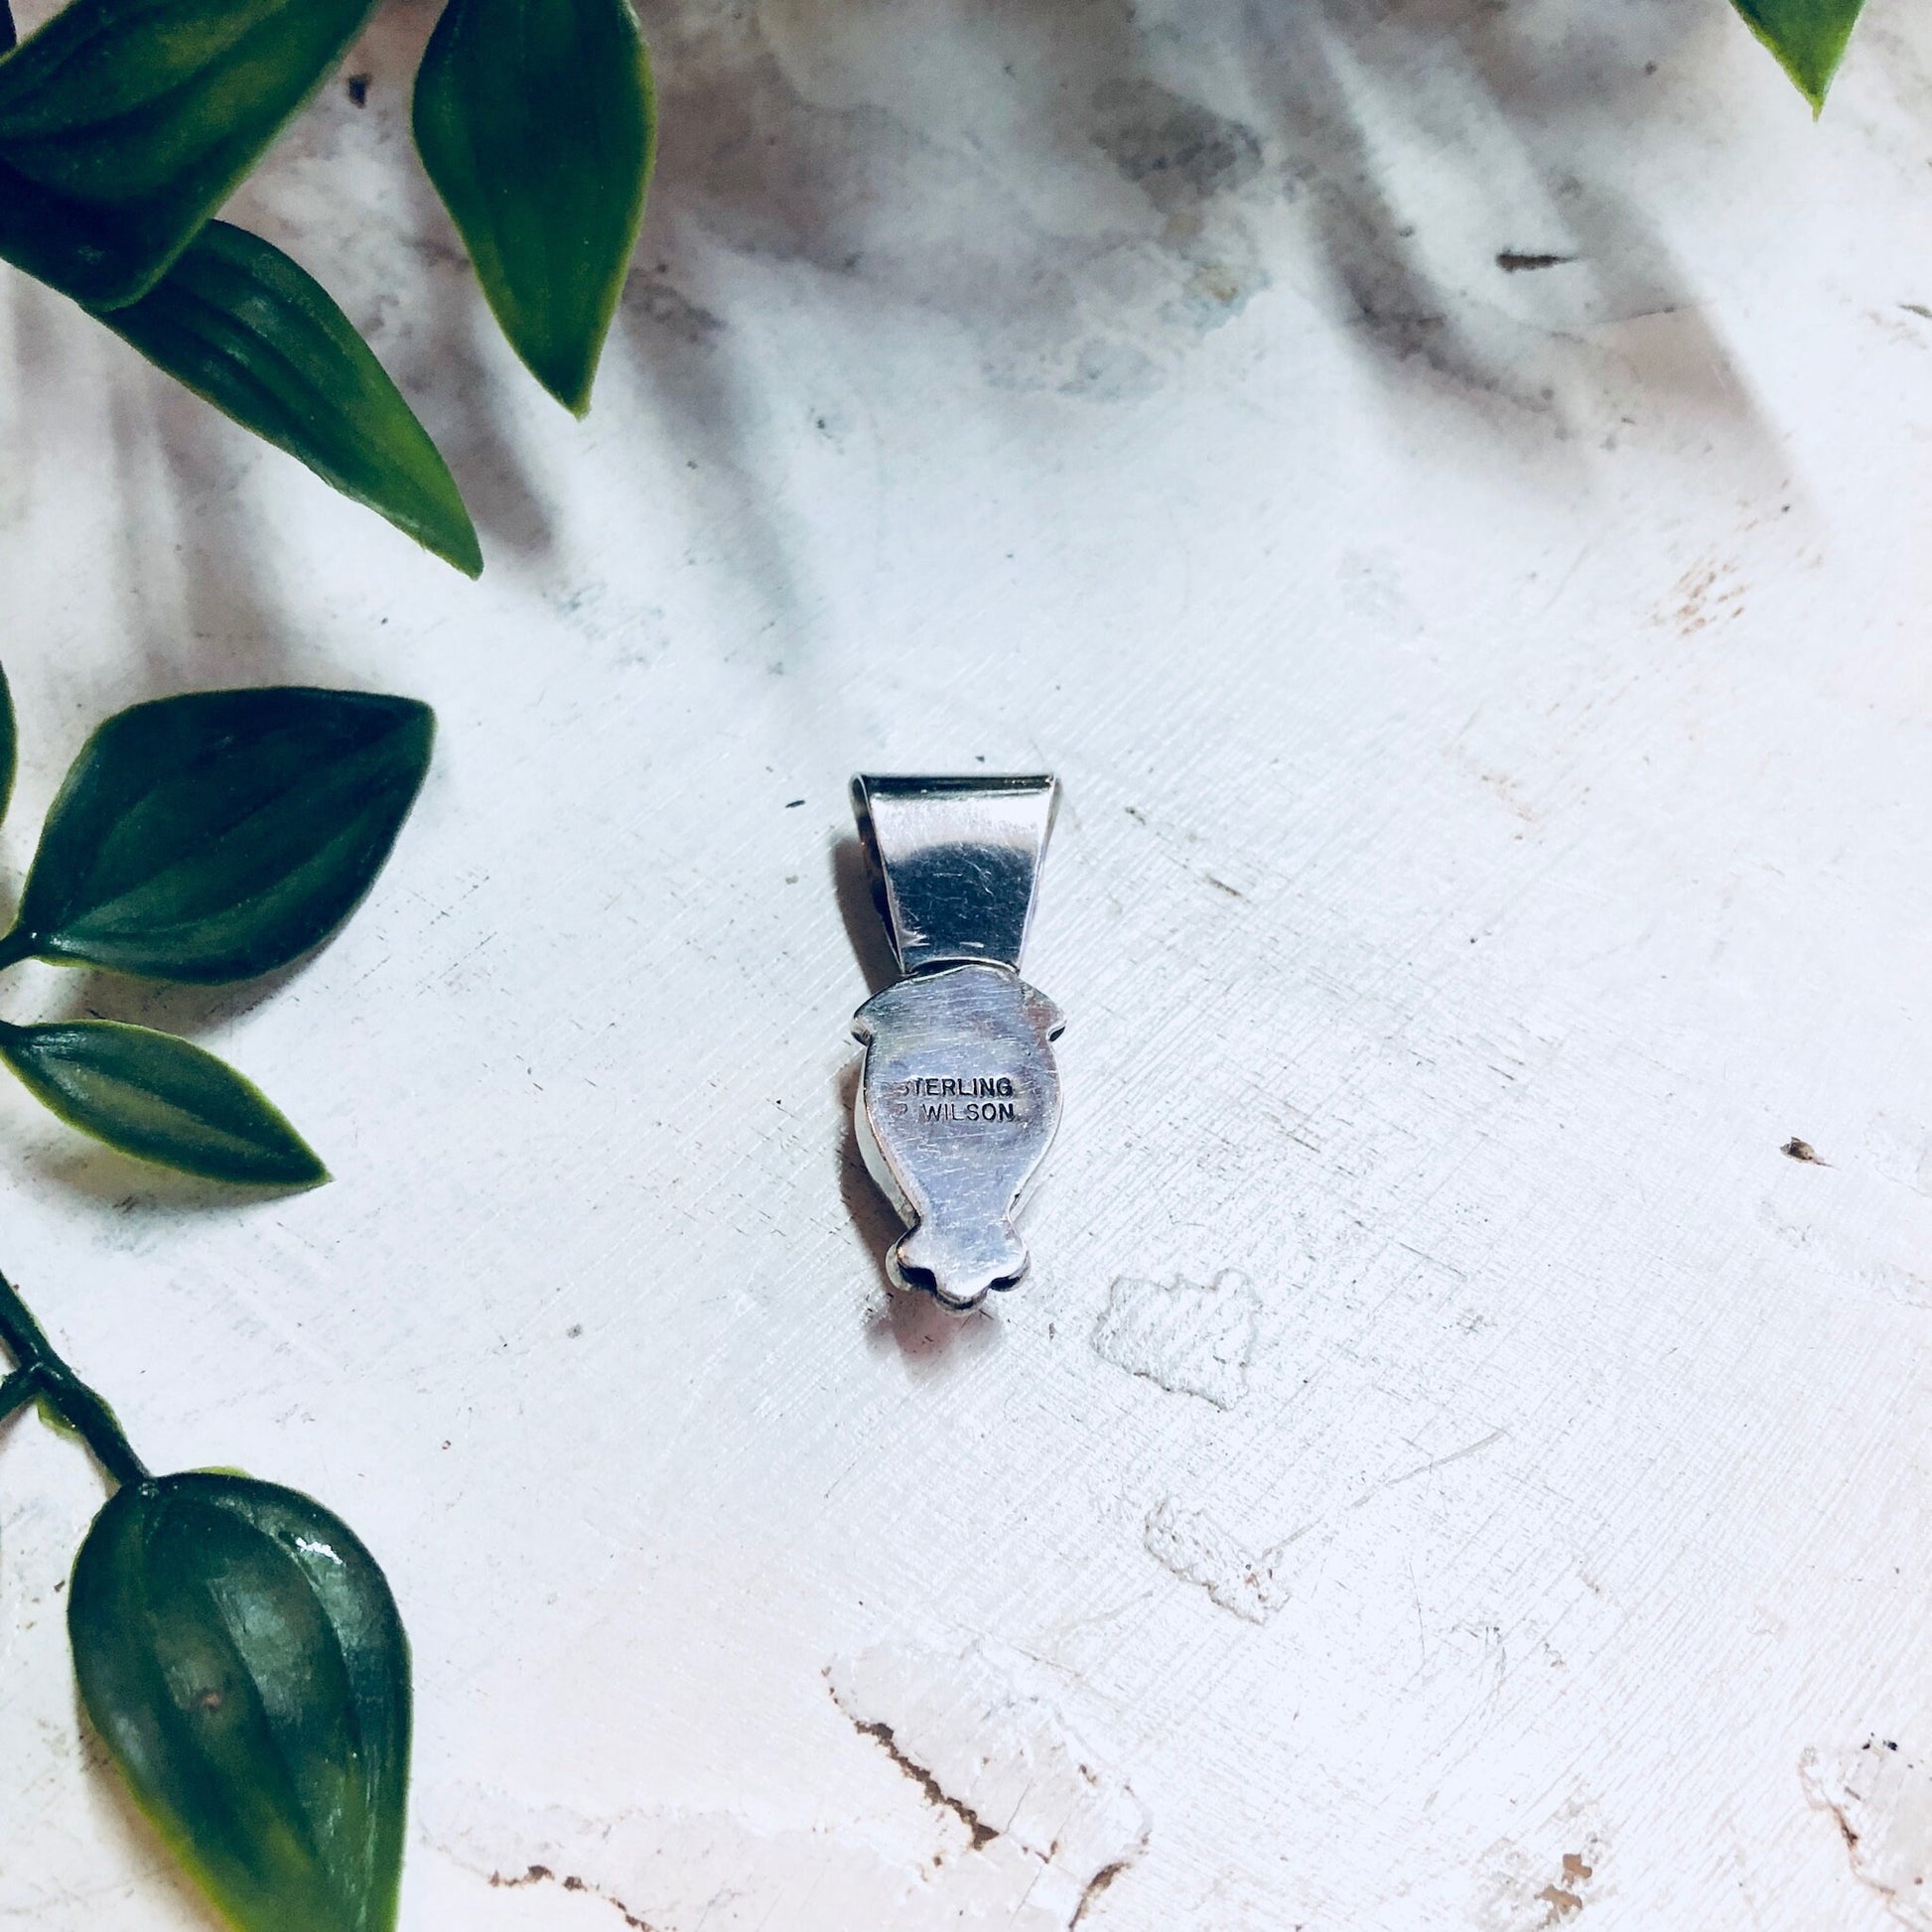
(956, 863)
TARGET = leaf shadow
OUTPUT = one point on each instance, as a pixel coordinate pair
(194, 597)
(89, 1166)
(92, 993)
(191, 549)
(428, 331)
(1088, 189)
(709, 400)
(101, 1173)
(1092, 188)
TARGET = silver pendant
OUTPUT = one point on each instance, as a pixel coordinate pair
(959, 1097)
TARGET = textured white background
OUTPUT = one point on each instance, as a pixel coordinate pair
(1495, 710)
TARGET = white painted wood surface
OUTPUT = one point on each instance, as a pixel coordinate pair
(1496, 716)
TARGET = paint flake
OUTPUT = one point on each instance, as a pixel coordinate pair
(1197, 1549)
(1186, 1338)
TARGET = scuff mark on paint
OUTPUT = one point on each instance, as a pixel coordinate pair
(1197, 1549)
(1431, 1466)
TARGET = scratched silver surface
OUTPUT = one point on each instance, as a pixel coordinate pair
(955, 1111)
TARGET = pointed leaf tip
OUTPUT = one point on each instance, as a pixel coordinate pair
(252, 332)
(1808, 38)
(536, 121)
(159, 1099)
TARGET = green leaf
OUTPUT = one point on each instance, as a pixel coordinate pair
(242, 1657)
(159, 1099)
(124, 125)
(220, 835)
(536, 122)
(9, 733)
(244, 326)
(9, 37)
(1807, 36)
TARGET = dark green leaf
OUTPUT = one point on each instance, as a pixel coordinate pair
(536, 123)
(240, 1655)
(159, 1099)
(242, 324)
(124, 125)
(1807, 36)
(9, 39)
(9, 736)
(220, 835)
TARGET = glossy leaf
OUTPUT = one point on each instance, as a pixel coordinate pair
(9, 736)
(242, 1657)
(220, 835)
(159, 1099)
(244, 326)
(124, 125)
(536, 122)
(1807, 36)
(9, 37)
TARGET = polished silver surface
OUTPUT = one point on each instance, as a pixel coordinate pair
(955, 862)
(959, 1096)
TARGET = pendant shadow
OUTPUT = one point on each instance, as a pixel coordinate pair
(857, 893)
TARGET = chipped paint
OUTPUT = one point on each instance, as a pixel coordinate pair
(1881, 1796)
(669, 1869)
(1000, 1758)
(1027, 1829)
(1549, 1879)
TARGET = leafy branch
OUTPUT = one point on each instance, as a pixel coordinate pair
(202, 839)
(39, 1375)
(242, 1657)
(125, 124)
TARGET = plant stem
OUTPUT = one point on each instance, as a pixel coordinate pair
(17, 1390)
(40, 1374)
(14, 947)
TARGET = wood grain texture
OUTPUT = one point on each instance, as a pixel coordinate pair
(1494, 709)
